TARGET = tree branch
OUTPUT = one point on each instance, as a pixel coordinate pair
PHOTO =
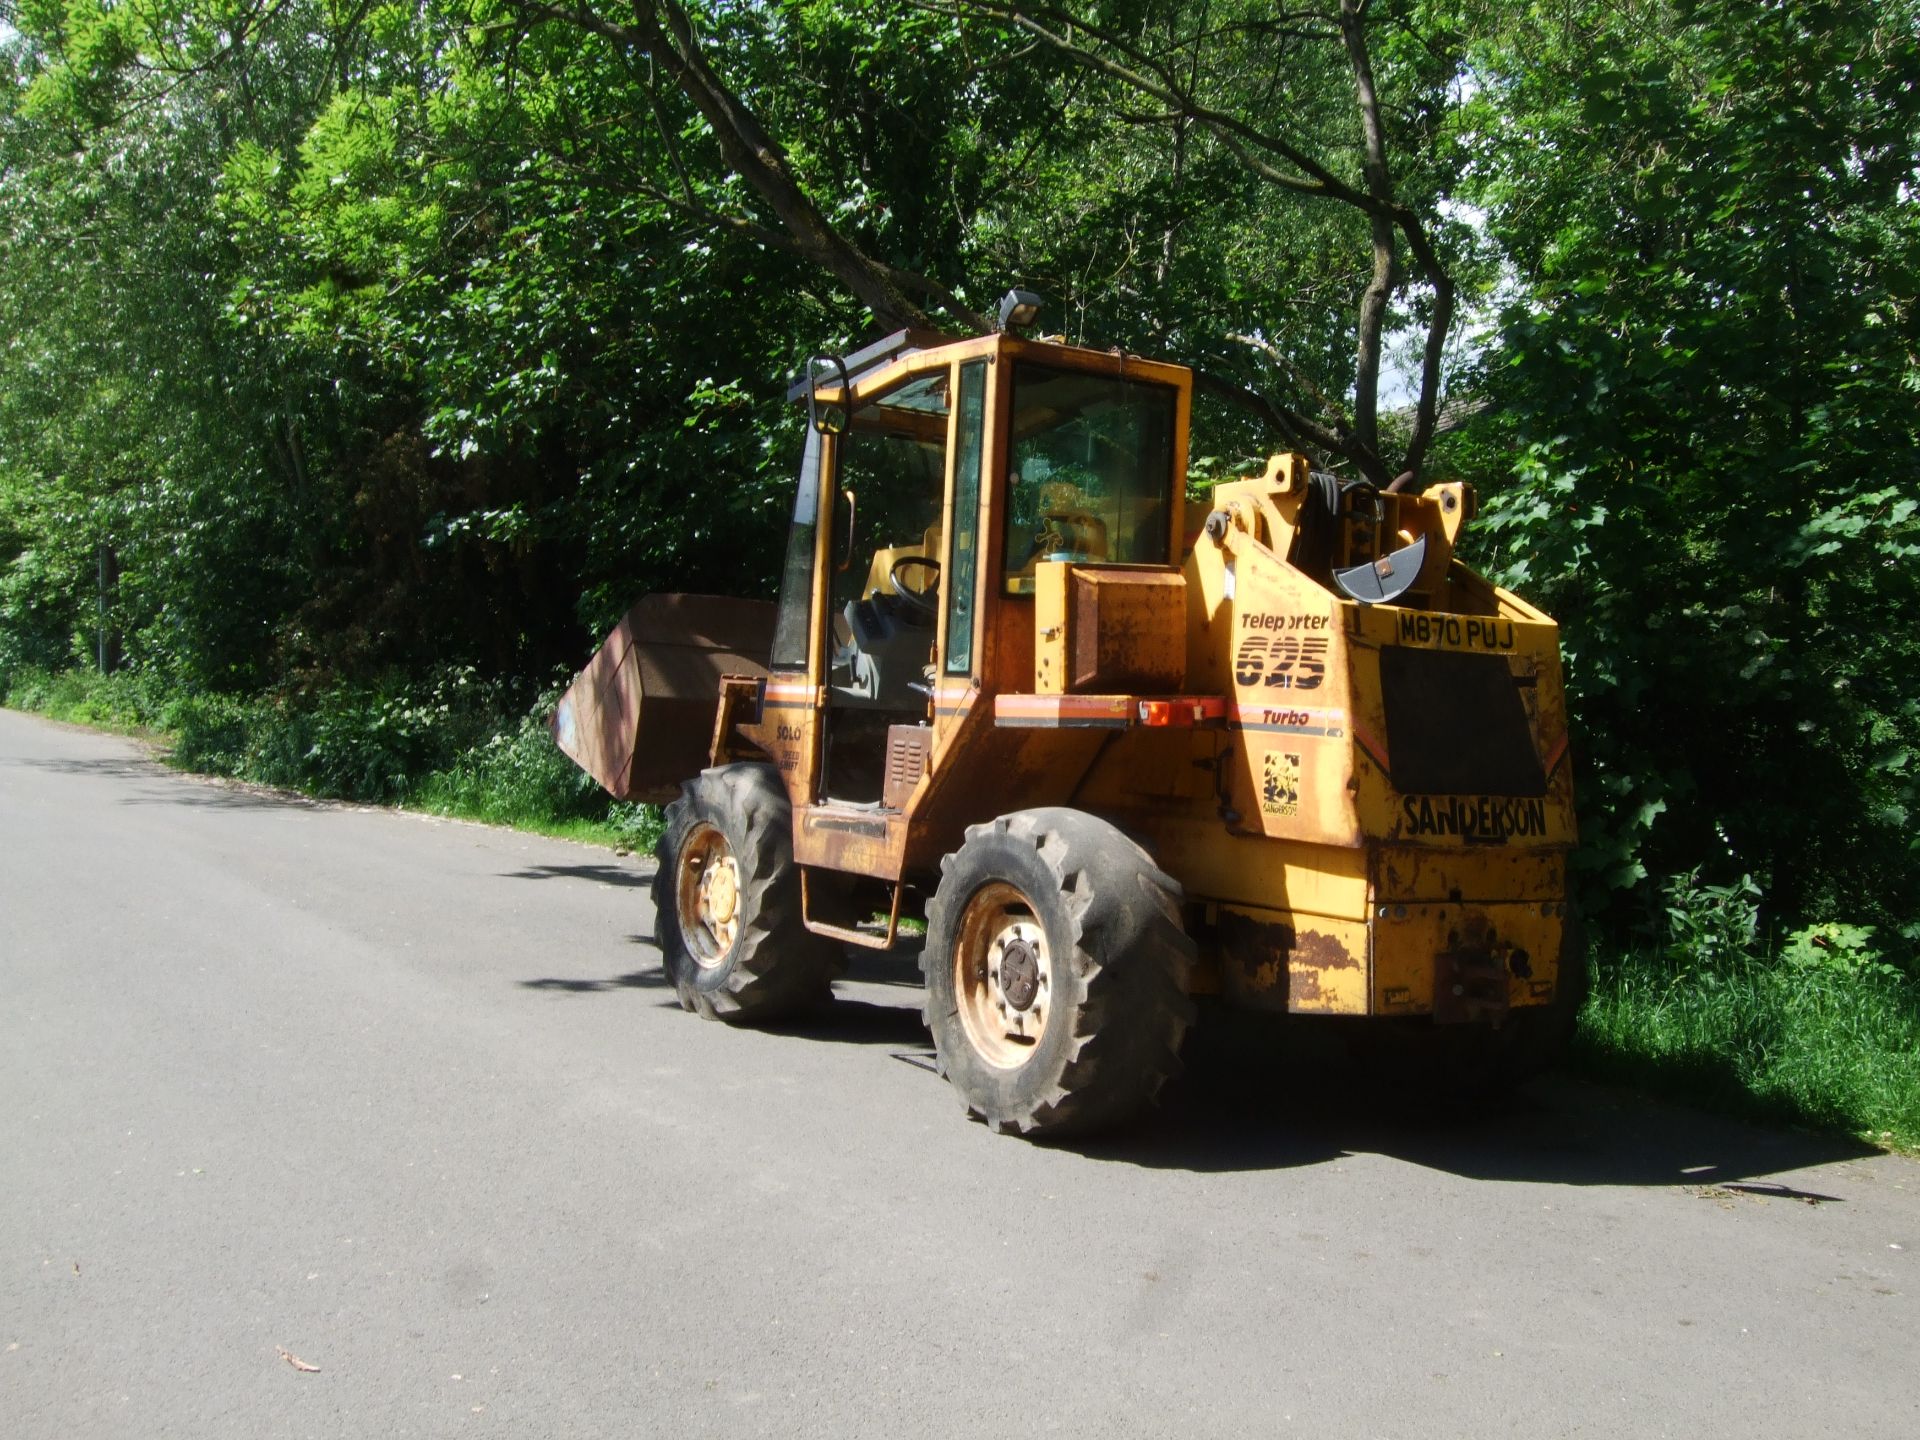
(1328, 405)
(1290, 423)
(1439, 323)
(1313, 179)
(663, 31)
(1389, 222)
(1373, 300)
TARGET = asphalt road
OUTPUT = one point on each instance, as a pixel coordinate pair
(406, 1100)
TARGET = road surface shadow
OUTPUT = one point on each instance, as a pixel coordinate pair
(202, 791)
(1244, 1103)
(599, 874)
(1240, 1105)
(210, 793)
(848, 1019)
(117, 768)
(1233, 1111)
(852, 1020)
(635, 980)
(897, 970)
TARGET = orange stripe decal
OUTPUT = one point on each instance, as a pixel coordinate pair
(1557, 754)
(1375, 751)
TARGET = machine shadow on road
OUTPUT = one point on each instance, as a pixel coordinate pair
(888, 1014)
(1245, 1105)
(1253, 1098)
(850, 1020)
(599, 874)
(1247, 1102)
(1236, 1111)
(633, 980)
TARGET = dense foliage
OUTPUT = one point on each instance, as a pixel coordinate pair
(351, 346)
(1709, 392)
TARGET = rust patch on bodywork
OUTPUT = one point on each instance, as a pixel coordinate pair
(1312, 957)
(1275, 966)
(1470, 975)
(1323, 952)
(1258, 951)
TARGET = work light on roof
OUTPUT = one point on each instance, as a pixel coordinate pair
(1018, 310)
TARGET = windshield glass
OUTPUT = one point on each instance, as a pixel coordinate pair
(1089, 473)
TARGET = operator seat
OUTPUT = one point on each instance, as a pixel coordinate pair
(883, 642)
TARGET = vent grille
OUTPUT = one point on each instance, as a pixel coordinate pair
(907, 747)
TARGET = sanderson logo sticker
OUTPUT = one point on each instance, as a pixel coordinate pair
(1280, 783)
(1483, 820)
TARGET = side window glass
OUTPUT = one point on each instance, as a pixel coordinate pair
(893, 459)
(889, 479)
(963, 546)
(796, 577)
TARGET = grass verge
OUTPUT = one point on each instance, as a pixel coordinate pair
(1824, 1046)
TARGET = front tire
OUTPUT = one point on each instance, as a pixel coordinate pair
(1056, 971)
(726, 900)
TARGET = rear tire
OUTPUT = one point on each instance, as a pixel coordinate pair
(726, 900)
(1056, 971)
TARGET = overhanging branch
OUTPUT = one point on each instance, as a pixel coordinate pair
(662, 31)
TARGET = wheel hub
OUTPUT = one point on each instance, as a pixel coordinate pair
(720, 892)
(709, 896)
(1003, 976)
(1019, 972)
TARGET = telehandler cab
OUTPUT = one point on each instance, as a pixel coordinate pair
(1288, 751)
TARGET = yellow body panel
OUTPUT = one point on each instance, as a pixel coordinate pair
(1406, 938)
(1268, 637)
(1305, 964)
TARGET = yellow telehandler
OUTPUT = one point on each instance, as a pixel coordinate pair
(1116, 750)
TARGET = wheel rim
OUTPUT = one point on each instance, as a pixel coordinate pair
(709, 896)
(1002, 976)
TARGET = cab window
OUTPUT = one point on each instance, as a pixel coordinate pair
(1089, 471)
(893, 459)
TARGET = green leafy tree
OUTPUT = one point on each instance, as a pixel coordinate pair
(363, 339)
(1707, 381)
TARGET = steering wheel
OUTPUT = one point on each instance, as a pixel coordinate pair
(922, 603)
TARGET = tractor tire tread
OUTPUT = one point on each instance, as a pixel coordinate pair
(1125, 945)
(777, 967)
